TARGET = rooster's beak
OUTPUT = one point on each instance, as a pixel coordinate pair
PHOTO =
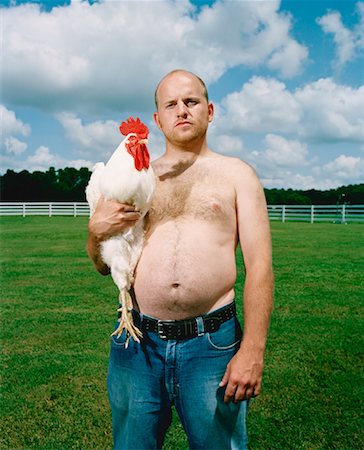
(143, 141)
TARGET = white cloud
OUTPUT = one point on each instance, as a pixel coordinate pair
(288, 59)
(292, 180)
(42, 159)
(11, 126)
(14, 146)
(322, 111)
(262, 105)
(295, 179)
(278, 161)
(232, 145)
(343, 170)
(288, 163)
(343, 37)
(96, 139)
(284, 152)
(348, 42)
(332, 112)
(348, 169)
(109, 55)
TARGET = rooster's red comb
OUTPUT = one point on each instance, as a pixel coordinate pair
(134, 126)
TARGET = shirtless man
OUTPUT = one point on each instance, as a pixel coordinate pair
(192, 353)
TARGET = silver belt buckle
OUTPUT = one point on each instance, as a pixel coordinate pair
(160, 330)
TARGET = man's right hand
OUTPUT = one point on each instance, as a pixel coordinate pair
(111, 218)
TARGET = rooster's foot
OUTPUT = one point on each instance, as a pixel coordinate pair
(126, 320)
(131, 331)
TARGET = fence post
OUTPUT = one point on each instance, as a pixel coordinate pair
(343, 218)
(74, 210)
(50, 210)
(283, 213)
(312, 214)
(23, 209)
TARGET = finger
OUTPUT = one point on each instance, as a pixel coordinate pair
(131, 216)
(256, 391)
(127, 208)
(240, 394)
(229, 393)
(121, 206)
(249, 393)
(225, 378)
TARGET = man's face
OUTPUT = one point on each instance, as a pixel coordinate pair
(183, 112)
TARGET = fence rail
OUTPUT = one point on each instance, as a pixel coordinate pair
(317, 213)
(44, 209)
(284, 213)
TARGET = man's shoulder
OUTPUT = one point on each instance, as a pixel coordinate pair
(235, 166)
(241, 174)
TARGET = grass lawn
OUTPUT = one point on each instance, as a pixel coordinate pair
(57, 315)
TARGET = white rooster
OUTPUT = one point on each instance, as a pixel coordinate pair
(128, 178)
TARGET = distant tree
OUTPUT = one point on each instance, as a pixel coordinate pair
(352, 194)
(66, 184)
(69, 184)
(18, 186)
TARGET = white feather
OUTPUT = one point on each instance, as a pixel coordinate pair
(93, 188)
(120, 180)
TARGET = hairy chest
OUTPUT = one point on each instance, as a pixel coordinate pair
(204, 195)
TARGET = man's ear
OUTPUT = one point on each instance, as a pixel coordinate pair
(211, 111)
(156, 120)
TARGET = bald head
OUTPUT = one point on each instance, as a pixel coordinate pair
(185, 72)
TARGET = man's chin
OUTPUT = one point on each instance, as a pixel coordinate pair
(187, 137)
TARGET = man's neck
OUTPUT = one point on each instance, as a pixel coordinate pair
(178, 152)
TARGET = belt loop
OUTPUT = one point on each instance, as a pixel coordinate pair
(200, 326)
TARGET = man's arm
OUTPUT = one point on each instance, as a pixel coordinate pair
(110, 218)
(243, 375)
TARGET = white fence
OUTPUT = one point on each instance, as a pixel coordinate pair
(44, 209)
(317, 213)
(283, 213)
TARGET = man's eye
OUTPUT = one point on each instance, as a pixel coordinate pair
(191, 102)
(170, 105)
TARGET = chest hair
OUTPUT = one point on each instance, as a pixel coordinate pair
(198, 192)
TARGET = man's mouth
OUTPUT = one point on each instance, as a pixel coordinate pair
(185, 122)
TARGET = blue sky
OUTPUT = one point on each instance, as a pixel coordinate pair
(286, 78)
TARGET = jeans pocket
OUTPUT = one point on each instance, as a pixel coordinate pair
(227, 337)
(120, 341)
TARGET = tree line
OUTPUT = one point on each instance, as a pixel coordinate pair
(69, 184)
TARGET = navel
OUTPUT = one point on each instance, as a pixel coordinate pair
(175, 285)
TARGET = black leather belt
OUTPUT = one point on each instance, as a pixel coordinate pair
(184, 329)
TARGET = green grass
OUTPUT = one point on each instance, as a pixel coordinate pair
(57, 314)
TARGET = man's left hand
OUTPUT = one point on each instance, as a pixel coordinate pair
(243, 376)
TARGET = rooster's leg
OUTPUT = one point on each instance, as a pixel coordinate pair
(126, 319)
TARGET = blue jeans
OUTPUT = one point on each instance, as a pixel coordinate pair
(145, 379)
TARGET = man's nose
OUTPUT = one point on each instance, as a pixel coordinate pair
(181, 109)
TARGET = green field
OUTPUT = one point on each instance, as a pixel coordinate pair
(57, 315)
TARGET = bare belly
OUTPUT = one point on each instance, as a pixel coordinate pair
(187, 268)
